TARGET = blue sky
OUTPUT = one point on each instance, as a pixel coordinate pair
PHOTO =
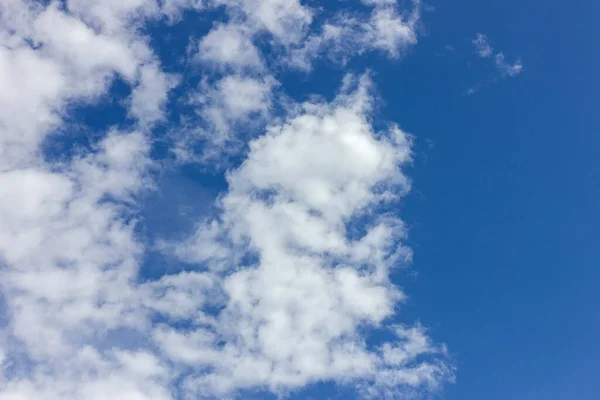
(299, 199)
(520, 274)
(505, 226)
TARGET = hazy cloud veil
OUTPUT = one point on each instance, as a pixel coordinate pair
(289, 277)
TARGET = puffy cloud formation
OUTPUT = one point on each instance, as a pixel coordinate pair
(295, 310)
(289, 275)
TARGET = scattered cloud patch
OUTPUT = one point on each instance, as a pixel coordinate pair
(503, 69)
(231, 46)
(386, 30)
(482, 47)
(507, 69)
(235, 51)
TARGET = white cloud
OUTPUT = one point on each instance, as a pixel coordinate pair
(68, 250)
(285, 20)
(507, 69)
(289, 273)
(385, 30)
(234, 49)
(69, 261)
(229, 45)
(378, 2)
(483, 48)
(392, 32)
(292, 316)
(119, 375)
(232, 108)
(150, 94)
(173, 9)
(114, 16)
(503, 68)
(69, 62)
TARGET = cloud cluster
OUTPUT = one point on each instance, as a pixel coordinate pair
(310, 282)
(291, 273)
(346, 35)
(234, 51)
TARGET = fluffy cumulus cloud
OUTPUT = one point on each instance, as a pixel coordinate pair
(287, 276)
(294, 311)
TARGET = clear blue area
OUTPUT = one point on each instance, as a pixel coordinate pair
(506, 209)
(505, 213)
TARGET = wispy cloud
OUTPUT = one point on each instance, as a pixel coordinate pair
(346, 35)
(507, 69)
(483, 48)
(503, 69)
